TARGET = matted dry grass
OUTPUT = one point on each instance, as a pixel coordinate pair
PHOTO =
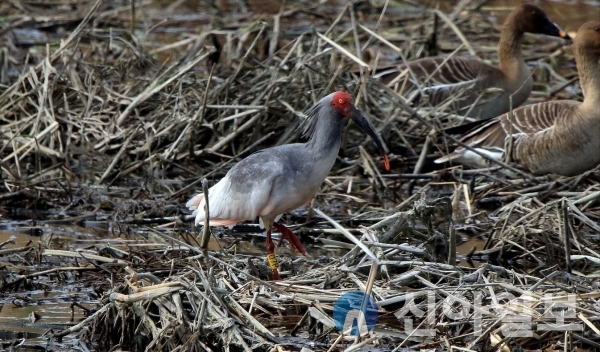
(119, 131)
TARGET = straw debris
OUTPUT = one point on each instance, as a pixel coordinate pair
(115, 125)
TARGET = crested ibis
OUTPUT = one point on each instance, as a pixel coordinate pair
(275, 180)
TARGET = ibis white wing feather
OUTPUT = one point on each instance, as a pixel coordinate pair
(241, 195)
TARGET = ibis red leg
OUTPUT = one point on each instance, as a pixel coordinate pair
(291, 237)
(271, 259)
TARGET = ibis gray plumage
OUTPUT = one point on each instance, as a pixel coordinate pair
(276, 180)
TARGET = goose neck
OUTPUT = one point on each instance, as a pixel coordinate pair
(589, 77)
(509, 52)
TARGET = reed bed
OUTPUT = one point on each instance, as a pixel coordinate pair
(116, 124)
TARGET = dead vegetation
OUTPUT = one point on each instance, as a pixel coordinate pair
(105, 129)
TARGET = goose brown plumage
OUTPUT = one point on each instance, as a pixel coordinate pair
(444, 79)
(561, 137)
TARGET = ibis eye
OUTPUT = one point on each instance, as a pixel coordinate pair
(341, 101)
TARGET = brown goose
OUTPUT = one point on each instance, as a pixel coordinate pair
(467, 78)
(562, 137)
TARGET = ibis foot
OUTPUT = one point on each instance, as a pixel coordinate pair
(291, 237)
(271, 258)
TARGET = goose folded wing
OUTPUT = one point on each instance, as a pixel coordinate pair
(526, 120)
(444, 79)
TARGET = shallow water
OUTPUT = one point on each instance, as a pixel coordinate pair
(51, 303)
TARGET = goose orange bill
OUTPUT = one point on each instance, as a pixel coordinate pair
(550, 28)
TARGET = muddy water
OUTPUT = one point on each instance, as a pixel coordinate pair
(31, 314)
(46, 302)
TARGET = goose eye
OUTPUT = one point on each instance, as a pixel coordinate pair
(597, 29)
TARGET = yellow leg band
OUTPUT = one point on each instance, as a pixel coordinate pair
(272, 260)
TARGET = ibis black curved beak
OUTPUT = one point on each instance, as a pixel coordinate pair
(365, 124)
(552, 29)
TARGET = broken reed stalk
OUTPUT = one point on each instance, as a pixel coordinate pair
(206, 229)
(451, 243)
(458, 32)
(116, 158)
(156, 86)
(566, 233)
(194, 123)
(132, 19)
(197, 309)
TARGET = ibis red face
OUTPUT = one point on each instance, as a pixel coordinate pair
(344, 103)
